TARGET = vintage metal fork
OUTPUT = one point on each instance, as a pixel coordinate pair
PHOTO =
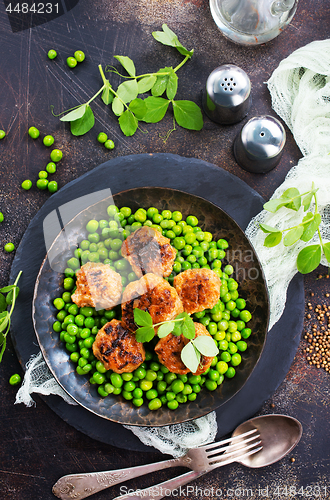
(200, 460)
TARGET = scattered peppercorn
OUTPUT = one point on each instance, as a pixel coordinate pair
(318, 337)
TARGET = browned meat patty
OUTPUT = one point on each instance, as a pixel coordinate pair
(153, 294)
(97, 286)
(169, 349)
(198, 289)
(117, 348)
(148, 251)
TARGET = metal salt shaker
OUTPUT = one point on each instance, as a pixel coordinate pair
(227, 94)
(259, 145)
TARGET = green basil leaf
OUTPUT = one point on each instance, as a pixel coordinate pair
(75, 114)
(268, 229)
(165, 329)
(156, 109)
(3, 303)
(146, 83)
(84, 124)
(326, 250)
(172, 85)
(190, 357)
(117, 106)
(127, 63)
(309, 229)
(206, 345)
(107, 95)
(273, 239)
(188, 115)
(127, 91)
(128, 123)
(309, 258)
(138, 107)
(142, 318)
(188, 328)
(293, 235)
(162, 80)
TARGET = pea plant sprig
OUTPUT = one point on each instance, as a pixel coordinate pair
(182, 324)
(310, 256)
(131, 109)
(11, 292)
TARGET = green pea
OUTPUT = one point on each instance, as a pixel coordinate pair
(33, 132)
(137, 402)
(140, 373)
(179, 243)
(145, 385)
(59, 303)
(109, 388)
(52, 54)
(42, 184)
(151, 394)
(102, 137)
(87, 311)
(192, 220)
(71, 62)
(48, 140)
(127, 376)
(151, 375)
(241, 345)
(56, 155)
(79, 55)
(173, 404)
(15, 379)
(89, 322)
(177, 386)
(213, 375)
(129, 386)
(161, 386)
(222, 244)
(109, 144)
(52, 186)
(73, 263)
(116, 380)
(137, 393)
(9, 247)
(27, 184)
(225, 356)
(74, 356)
(240, 303)
(230, 373)
(245, 315)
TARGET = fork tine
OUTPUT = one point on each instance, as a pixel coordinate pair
(236, 445)
(233, 451)
(237, 458)
(229, 440)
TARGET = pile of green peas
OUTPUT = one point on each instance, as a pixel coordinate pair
(151, 382)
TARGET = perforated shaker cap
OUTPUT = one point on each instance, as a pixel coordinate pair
(227, 94)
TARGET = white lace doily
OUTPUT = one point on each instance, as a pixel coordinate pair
(300, 90)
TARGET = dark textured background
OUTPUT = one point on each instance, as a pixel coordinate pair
(37, 447)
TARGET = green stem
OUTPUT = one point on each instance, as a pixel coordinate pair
(169, 321)
(14, 295)
(181, 63)
(94, 96)
(102, 75)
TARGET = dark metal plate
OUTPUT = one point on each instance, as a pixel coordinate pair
(252, 287)
(196, 177)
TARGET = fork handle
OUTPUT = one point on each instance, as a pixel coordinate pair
(162, 489)
(79, 486)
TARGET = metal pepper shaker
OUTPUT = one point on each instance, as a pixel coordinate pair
(259, 145)
(227, 94)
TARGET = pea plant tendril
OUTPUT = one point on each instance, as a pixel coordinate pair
(9, 299)
(310, 256)
(182, 324)
(131, 109)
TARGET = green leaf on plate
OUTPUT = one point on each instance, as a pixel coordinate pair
(190, 357)
(144, 334)
(165, 329)
(142, 318)
(309, 258)
(188, 327)
(206, 345)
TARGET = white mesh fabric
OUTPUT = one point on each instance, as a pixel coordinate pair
(300, 91)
